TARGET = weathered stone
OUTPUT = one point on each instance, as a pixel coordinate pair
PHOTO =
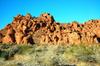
(1, 36)
(97, 40)
(74, 38)
(25, 22)
(28, 16)
(44, 30)
(8, 39)
(10, 31)
(19, 37)
(46, 17)
(27, 40)
(97, 31)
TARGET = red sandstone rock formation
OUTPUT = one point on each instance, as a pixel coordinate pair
(44, 30)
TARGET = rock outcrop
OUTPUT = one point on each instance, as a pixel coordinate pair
(45, 30)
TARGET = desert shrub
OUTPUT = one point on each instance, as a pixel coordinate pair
(8, 51)
(24, 49)
(83, 53)
(87, 54)
(51, 55)
(96, 51)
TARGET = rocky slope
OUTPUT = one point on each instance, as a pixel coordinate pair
(44, 30)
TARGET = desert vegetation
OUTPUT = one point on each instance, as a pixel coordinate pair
(49, 55)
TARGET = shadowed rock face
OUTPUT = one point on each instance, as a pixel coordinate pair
(44, 30)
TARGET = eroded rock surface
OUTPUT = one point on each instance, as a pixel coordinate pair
(45, 30)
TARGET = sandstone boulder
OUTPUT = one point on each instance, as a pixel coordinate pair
(8, 39)
(46, 17)
(74, 38)
(28, 16)
(45, 30)
(97, 31)
(96, 40)
(19, 37)
(27, 40)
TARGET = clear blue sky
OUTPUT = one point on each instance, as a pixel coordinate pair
(62, 10)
